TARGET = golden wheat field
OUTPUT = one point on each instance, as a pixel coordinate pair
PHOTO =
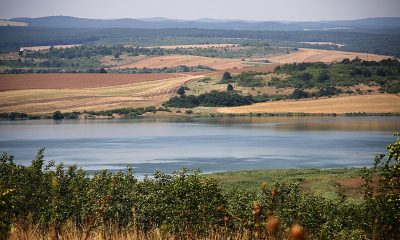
(380, 103)
(136, 94)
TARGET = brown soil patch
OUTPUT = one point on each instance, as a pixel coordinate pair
(326, 56)
(353, 186)
(187, 60)
(74, 81)
(380, 103)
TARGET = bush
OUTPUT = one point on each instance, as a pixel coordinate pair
(229, 88)
(211, 99)
(57, 115)
(299, 93)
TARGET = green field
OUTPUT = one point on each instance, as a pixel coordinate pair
(315, 181)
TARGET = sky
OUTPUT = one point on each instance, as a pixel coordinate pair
(256, 10)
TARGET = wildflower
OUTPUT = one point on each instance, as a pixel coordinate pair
(226, 219)
(272, 224)
(256, 209)
(297, 233)
(274, 191)
(264, 185)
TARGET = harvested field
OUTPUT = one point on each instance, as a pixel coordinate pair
(74, 81)
(381, 103)
(41, 48)
(4, 23)
(187, 60)
(326, 56)
(137, 94)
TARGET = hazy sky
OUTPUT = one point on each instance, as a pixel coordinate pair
(193, 9)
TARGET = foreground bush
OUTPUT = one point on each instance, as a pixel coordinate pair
(44, 200)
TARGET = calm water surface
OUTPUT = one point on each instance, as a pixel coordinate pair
(211, 145)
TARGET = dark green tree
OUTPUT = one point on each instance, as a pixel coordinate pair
(57, 115)
(226, 76)
(229, 87)
(181, 91)
(103, 70)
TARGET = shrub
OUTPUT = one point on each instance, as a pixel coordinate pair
(57, 115)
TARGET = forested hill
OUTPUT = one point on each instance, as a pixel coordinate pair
(369, 24)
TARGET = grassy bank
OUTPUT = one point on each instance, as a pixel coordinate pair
(326, 182)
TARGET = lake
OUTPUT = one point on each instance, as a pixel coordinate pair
(212, 145)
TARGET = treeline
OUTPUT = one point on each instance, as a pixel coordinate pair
(69, 69)
(48, 196)
(14, 37)
(89, 51)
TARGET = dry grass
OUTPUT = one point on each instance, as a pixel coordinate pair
(381, 103)
(187, 60)
(326, 56)
(75, 81)
(70, 232)
(92, 99)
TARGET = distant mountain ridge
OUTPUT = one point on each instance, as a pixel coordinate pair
(208, 23)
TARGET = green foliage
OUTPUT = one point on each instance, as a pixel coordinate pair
(14, 115)
(127, 112)
(299, 93)
(229, 87)
(211, 99)
(385, 73)
(226, 78)
(181, 91)
(186, 203)
(246, 79)
(6, 208)
(383, 201)
(57, 115)
(49, 195)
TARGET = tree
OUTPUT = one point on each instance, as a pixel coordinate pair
(382, 193)
(181, 91)
(226, 76)
(323, 76)
(57, 115)
(102, 70)
(299, 93)
(229, 87)
(117, 54)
